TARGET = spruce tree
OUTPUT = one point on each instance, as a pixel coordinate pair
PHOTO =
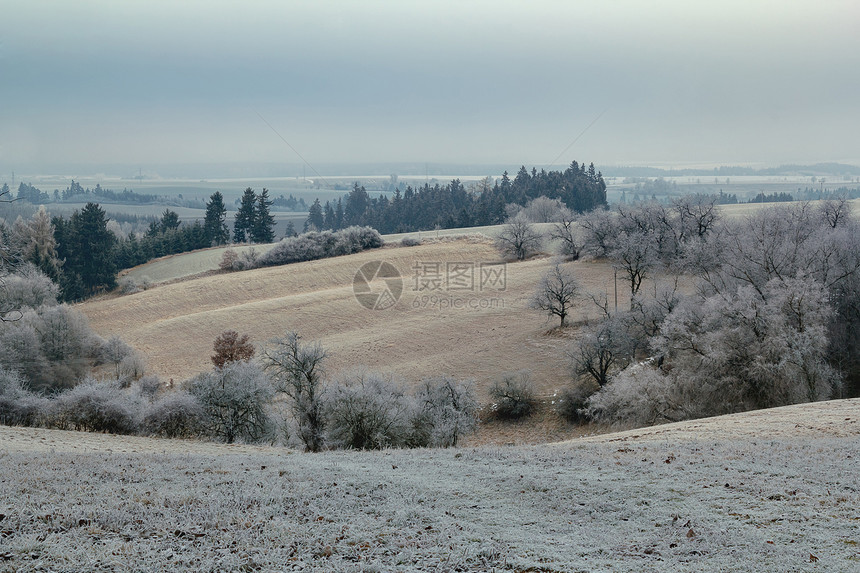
(315, 217)
(214, 224)
(244, 221)
(262, 227)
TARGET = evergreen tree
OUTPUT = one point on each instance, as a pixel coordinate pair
(264, 222)
(244, 221)
(329, 216)
(87, 246)
(215, 225)
(169, 220)
(338, 215)
(315, 217)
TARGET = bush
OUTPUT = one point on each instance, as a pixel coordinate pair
(321, 244)
(18, 406)
(95, 407)
(367, 412)
(410, 242)
(229, 260)
(174, 415)
(29, 287)
(446, 410)
(571, 403)
(128, 285)
(513, 396)
(234, 400)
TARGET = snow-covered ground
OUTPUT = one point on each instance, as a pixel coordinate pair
(771, 491)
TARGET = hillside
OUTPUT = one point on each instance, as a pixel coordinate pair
(464, 333)
(772, 490)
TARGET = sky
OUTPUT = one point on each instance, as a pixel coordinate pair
(616, 82)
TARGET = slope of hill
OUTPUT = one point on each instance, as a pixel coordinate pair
(465, 330)
(772, 490)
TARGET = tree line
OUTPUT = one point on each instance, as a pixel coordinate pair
(578, 187)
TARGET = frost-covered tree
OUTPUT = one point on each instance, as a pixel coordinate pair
(234, 401)
(570, 237)
(519, 238)
(368, 411)
(297, 370)
(447, 410)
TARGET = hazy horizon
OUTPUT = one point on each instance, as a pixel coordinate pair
(670, 83)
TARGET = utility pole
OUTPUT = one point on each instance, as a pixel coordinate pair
(616, 288)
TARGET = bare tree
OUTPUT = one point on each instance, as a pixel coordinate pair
(514, 395)
(297, 369)
(115, 350)
(234, 400)
(636, 255)
(835, 211)
(697, 215)
(557, 293)
(545, 210)
(599, 227)
(519, 238)
(368, 411)
(570, 237)
(603, 349)
(447, 410)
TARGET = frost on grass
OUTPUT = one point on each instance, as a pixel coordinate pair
(617, 506)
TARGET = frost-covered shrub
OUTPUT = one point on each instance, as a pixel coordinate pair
(28, 287)
(234, 401)
(128, 285)
(95, 407)
(410, 242)
(315, 245)
(52, 347)
(366, 411)
(513, 396)
(174, 415)
(148, 386)
(446, 410)
(18, 406)
(570, 403)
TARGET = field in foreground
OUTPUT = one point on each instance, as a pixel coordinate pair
(772, 490)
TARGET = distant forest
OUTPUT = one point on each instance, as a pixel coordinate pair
(448, 206)
(75, 192)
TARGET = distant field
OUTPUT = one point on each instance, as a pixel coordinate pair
(188, 264)
(773, 490)
(470, 334)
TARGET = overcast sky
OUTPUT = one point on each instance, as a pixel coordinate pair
(676, 82)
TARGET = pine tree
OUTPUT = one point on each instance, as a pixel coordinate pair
(214, 224)
(328, 221)
(264, 222)
(338, 215)
(315, 217)
(244, 221)
(87, 246)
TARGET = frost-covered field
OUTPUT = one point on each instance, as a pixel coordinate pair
(682, 498)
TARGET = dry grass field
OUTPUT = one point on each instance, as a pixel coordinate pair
(477, 333)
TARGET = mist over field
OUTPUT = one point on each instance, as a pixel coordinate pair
(151, 85)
